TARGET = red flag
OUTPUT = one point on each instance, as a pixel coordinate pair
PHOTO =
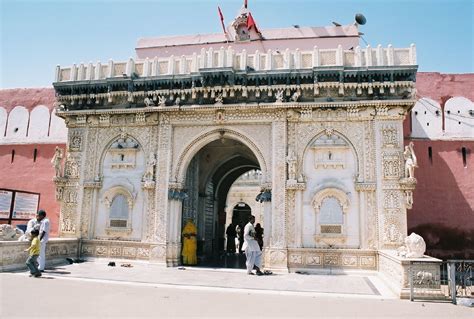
(245, 4)
(251, 22)
(222, 18)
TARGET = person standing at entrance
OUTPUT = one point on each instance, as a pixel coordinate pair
(43, 237)
(231, 233)
(189, 244)
(252, 249)
(259, 235)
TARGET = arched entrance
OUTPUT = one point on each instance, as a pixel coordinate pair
(241, 213)
(209, 177)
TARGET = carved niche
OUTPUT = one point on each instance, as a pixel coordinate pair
(119, 203)
(330, 151)
(331, 206)
(124, 153)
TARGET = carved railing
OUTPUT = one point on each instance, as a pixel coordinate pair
(228, 58)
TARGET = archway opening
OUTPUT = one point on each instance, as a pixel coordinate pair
(209, 177)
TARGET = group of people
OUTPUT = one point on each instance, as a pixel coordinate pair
(38, 231)
(235, 238)
(250, 240)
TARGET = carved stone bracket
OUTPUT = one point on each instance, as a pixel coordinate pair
(408, 185)
(93, 184)
(148, 184)
(294, 185)
(365, 186)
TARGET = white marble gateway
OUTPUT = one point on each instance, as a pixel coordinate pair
(146, 153)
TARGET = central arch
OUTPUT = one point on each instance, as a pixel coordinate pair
(213, 163)
(179, 172)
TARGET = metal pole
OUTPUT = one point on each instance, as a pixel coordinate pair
(410, 274)
(452, 280)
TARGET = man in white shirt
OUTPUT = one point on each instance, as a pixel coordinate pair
(33, 223)
(252, 249)
(44, 237)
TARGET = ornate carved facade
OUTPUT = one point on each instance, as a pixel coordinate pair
(154, 142)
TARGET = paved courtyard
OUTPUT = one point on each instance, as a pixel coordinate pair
(94, 290)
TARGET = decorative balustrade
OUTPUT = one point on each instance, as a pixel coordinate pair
(228, 58)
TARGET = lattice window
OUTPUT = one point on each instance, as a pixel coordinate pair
(307, 60)
(139, 68)
(119, 69)
(119, 223)
(163, 67)
(263, 60)
(177, 65)
(65, 75)
(104, 71)
(331, 229)
(278, 62)
(328, 57)
(349, 58)
(251, 61)
(215, 60)
(189, 64)
(401, 57)
(237, 62)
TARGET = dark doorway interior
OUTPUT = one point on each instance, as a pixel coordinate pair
(209, 178)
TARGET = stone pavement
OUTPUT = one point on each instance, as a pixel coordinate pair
(363, 285)
(93, 290)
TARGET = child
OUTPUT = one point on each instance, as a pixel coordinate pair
(34, 250)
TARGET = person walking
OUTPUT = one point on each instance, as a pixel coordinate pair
(34, 251)
(252, 249)
(43, 237)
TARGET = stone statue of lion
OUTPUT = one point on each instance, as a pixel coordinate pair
(414, 247)
(9, 232)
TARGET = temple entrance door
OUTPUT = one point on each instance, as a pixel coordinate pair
(209, 177)
(241, 213)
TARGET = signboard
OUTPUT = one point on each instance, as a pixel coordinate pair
(5, 203)
(26, 205)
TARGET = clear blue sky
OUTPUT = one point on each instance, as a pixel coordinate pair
(37, 35)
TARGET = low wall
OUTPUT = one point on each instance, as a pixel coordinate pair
(13, 256)
(394, 270)
(120, 249)
(326, 259)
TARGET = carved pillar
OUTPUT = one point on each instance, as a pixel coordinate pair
(149, 192)
(367, 215)
(173, 241)
(90, 195)
(276, 257)
(159, 251)
(392, 212)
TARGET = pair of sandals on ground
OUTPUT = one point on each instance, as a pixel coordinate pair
(259, 272)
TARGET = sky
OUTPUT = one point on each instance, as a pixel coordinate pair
(37, 35)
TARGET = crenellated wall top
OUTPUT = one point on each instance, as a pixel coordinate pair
(241, 61)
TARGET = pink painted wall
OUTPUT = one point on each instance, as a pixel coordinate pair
(443, 209)
(261, 46)
(24, 174)
(439, 86)
(29, 98)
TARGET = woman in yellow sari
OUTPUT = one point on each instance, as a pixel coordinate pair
(189, 243)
